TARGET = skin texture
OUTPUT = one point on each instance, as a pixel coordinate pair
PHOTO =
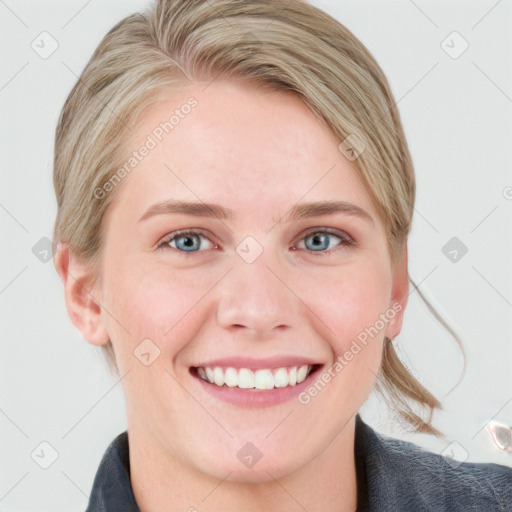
(258, 153)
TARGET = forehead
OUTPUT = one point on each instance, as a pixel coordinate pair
(236, 143)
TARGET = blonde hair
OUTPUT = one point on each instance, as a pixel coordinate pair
(290, 46)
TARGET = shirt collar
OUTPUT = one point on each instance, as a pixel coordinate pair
(112, 489)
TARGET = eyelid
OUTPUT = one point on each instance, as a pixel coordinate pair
(343, 235)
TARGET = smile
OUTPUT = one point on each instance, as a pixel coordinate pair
(260, 379)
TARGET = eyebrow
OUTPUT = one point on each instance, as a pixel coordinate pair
(297, 212)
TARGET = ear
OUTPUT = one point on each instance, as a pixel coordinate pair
(83, 308)
(399, 294)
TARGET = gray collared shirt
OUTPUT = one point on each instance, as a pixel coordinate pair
(392, 475)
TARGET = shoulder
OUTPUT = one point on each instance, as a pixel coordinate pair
(450, 483)
(404, 473)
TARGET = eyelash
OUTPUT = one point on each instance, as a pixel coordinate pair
(346, 240)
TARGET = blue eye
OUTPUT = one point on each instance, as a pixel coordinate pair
(316, 241)
(185, 241)
(320, 241)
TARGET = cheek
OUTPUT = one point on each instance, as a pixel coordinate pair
(351, 303)
(156, 303)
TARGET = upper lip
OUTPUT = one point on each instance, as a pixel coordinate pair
(250, 363)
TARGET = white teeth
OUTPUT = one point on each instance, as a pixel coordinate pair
(263, 379)
(245, 379)
(292, 376)
(218, 376)
(231, 377)
(281, 378)
(258, 379)
(302, 373)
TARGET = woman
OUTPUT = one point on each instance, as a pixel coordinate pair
(234, 197)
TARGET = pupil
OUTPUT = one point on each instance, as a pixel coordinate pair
(317, 240)
(188, 242)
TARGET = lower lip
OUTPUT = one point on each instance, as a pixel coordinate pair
(256, 397)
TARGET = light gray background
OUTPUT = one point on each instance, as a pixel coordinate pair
(457, 117)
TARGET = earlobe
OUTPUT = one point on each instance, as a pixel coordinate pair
(399, 295)
(84, 309)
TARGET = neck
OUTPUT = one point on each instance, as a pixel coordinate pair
(161, 482)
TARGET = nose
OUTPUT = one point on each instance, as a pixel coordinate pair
(256, 299)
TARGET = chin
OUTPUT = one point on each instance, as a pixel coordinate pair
(247, 465)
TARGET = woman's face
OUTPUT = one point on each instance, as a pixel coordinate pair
(281, 264)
